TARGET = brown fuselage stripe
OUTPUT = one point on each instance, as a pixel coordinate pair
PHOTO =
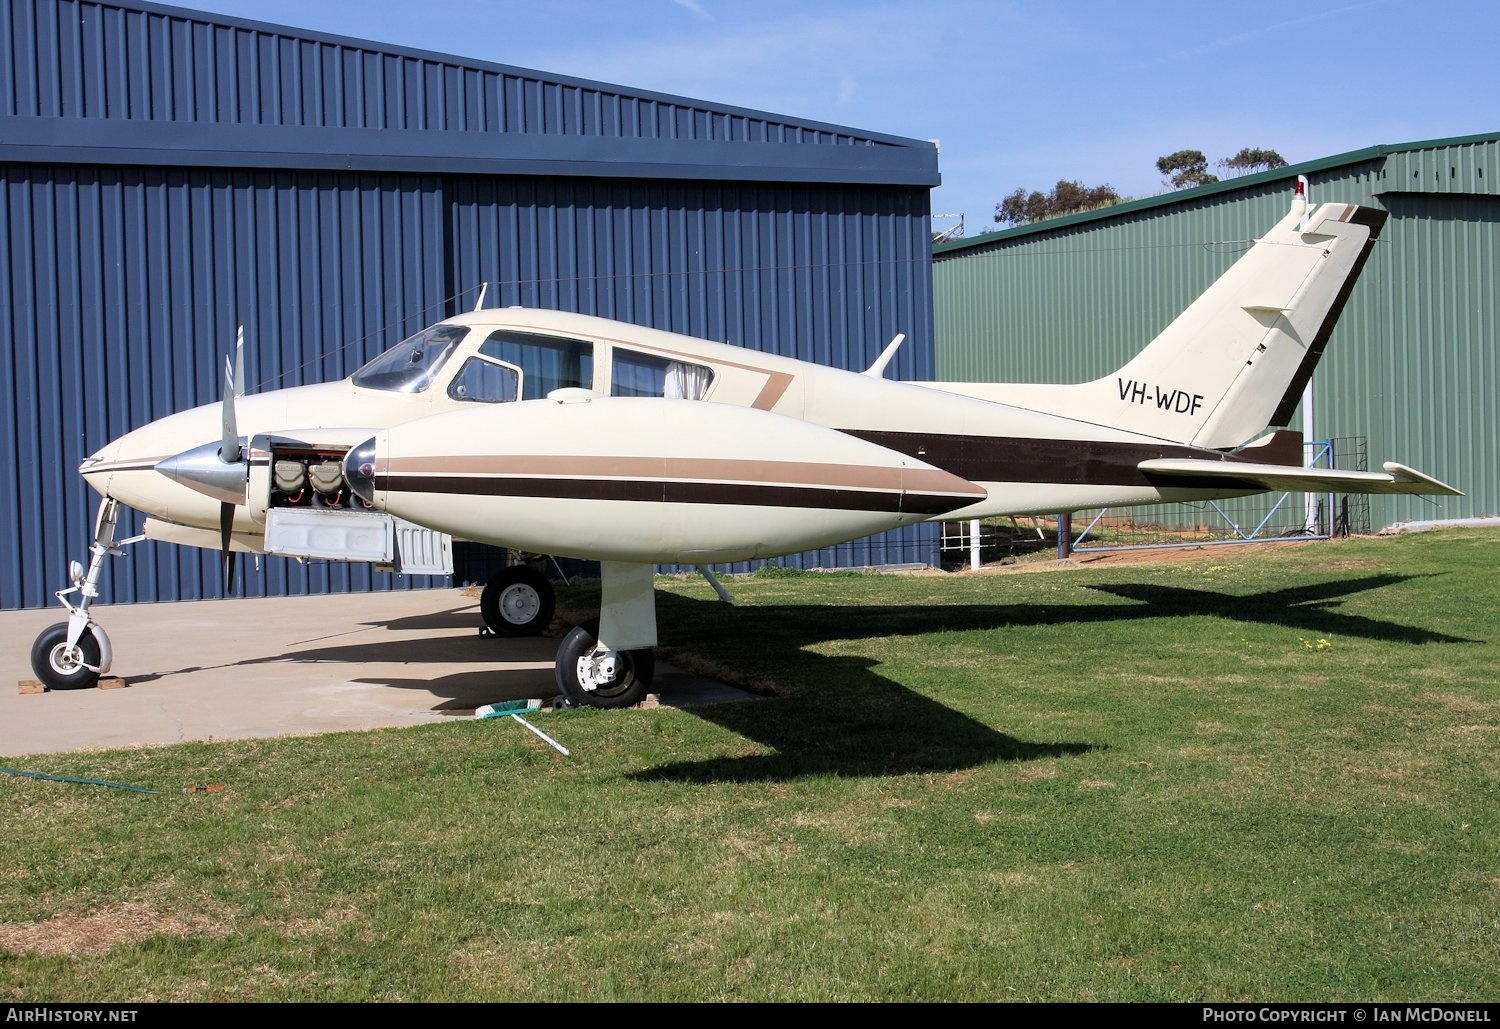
(144, 465)
(1055, 461)
(668, 491)
(149, 464)
(968, 458)
(801, 473)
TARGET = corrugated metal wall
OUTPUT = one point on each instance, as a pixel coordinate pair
(1075, 303)
(1414, 368)
(334, 197)
(122, 290)
(1410, 366)
(821, 273)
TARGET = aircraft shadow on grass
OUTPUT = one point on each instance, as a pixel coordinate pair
(842, 717)
(1309, 607)
(878, 727)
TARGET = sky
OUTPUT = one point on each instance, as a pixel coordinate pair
(1017, 93)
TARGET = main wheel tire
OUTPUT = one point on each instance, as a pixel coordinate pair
(61, 669)
(517, 601)
(632, 678)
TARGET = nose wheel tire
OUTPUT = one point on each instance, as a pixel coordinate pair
(517, 601)
(59, 668)
(613, 679)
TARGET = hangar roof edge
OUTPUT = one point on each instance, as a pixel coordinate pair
(1352, 157)
(141, 83)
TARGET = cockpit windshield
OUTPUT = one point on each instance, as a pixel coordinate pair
(409, 366)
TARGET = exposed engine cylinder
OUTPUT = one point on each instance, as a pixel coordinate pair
(310, 478)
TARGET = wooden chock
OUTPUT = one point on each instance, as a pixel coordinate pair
(106, 682)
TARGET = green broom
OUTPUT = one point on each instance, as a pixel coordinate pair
(513, 709)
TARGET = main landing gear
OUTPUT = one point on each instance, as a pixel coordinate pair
(519, 601)
(595, 676)
(73, 655)
(608, 662)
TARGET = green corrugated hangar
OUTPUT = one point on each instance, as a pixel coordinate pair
(1410, 370)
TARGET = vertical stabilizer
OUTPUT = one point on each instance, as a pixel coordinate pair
(1237, 360)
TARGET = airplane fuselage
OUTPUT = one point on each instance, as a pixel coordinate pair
(764, 447)
(777, 456)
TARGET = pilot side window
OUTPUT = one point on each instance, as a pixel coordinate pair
(646, 375)
(409, 366)
(485, 382)
(546, 362)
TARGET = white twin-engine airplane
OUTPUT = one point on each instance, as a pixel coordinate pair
(562, 434)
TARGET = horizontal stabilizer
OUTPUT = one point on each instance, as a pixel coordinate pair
(1274, 477)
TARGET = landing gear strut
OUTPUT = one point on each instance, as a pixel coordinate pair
(608, 662)
(72, 655)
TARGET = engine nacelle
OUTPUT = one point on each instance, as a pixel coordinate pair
(646, 479)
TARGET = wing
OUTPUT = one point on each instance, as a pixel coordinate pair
(1396, 478)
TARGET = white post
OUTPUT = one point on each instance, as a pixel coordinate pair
(974, 544)
(1310, 457)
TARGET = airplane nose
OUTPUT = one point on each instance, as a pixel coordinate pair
(98, 467)
(359, 470)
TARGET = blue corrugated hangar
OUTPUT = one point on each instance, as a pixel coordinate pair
(169, 176)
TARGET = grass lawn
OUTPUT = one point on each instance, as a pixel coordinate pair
(1239, 775)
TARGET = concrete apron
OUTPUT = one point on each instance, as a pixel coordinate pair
(239, 669)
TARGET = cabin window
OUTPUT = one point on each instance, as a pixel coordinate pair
(408, 367)
(546, 362)
(485, 382)
(646, 375)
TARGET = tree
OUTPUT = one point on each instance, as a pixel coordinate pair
(1181, 170)
(1251, 160)
(1185, 168)
(1021, 207)
(1067, 197)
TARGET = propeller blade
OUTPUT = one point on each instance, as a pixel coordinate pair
(226, 529)
(230, 452)
(234, 385)
(239, 362)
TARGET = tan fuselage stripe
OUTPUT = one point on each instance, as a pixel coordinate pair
(776, 385)
(838, 476)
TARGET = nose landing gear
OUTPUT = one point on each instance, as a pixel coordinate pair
(72, 655)
(61, 664)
